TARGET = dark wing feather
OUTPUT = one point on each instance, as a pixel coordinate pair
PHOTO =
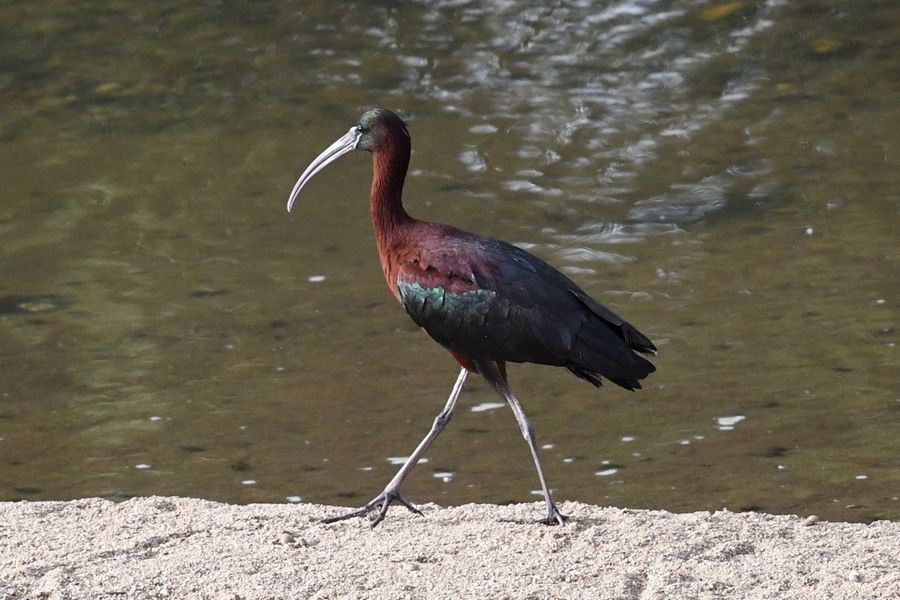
(486, 299)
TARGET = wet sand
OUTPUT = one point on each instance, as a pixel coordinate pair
(187, 548)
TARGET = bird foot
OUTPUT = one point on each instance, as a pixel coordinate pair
(554, 517)
(376, 508)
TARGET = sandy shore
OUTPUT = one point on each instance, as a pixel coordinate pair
(185, 548)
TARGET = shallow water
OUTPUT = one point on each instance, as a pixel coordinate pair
(724, 175)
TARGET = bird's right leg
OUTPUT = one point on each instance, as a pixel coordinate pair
(391, 492)
(493, 372)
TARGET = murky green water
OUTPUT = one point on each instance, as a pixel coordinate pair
(725, 175)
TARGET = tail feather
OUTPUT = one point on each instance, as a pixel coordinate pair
(637, 340)
(601, 350)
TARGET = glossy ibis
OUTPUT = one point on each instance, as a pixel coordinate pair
(486, 301)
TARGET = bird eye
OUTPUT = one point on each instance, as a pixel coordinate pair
(361, 129)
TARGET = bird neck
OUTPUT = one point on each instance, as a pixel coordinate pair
(388, 215)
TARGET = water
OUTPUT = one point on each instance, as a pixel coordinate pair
(723, 175)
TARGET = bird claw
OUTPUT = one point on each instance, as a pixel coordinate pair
(554, 517)
(376, 508)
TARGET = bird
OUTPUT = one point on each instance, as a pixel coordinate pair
(486, 301)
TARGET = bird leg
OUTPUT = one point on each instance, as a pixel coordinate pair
(391, 492)
(492, 372)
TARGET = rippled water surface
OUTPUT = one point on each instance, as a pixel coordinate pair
(723, 174)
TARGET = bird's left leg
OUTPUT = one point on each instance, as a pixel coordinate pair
(491, 371)
(391, 492)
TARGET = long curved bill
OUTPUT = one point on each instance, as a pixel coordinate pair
(346, 143)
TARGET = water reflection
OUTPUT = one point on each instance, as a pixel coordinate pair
(701, 167)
